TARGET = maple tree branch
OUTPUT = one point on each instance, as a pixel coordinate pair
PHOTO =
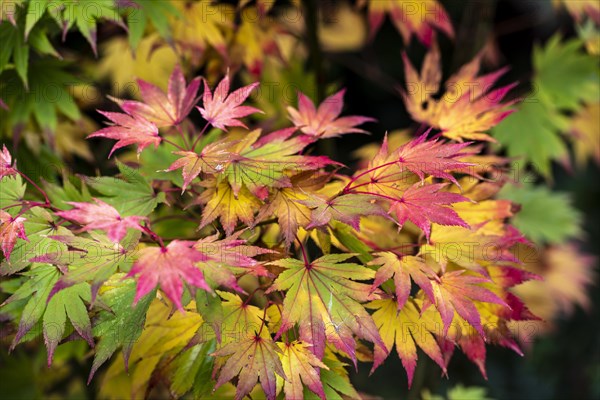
(23, 203)
(383, 196)
(153, 235)
(200, 135)
(304, 255)
(35, 185)
(185, 141)
(173, 144)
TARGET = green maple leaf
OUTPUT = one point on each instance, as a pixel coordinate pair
(157, 12)
(565, 76)
(545, 216)
(532, 134)
(83, 14)
(67, 303)
(13, 190)
(36, 101)
(33, 294)
(193, 371)
(122, 325)
(132, 195)
(93, 260)
(69, 191)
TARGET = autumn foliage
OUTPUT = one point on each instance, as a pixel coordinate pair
(296, 267)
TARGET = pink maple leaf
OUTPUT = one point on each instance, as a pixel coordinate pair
(10, 229)
(423, 205)
(456, 292)
(6, 168)
(3, 105)
(421, 156)
(324, 121)
(222, 109)
(164, 109)
(129, 129)
(101, 216)
(168, 266)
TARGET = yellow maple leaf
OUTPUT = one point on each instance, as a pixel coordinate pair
(221, 202)
(163, 337)
(585, 132)
(122, 67)
(467, 109)
(411, 17)
(205, 25)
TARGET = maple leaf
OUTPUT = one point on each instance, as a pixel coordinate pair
(423, 205)
(301, 367)
(160, 108)
(286, 203)
(432, 157)
(585, 134)
(324, 122)
(131, 194)
(471, 248)
(227, 257)
(34, 291)
(6, 167)
(407, 328)
(10, 229)
(390, 173)
(128, 130)
(205, 24)
(67, 303)
(168, 266)
(230, 318)
(91, 260)
(212, 159)
(403, 269)
(222, 109)
(346, 208)
(456, 292)
(262, 163)
(252, 358)
(102, 216)
(411, 18)
(467, 108)
(221, 202)
(325, 302)
(258, 43)
(121, 324)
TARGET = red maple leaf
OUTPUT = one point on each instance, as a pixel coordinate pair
(423, 205)
(6, 168)
(432, 157)
(168, 266)
(129, 129)
(10, 229)
(222, 109)
(101, 216)
(324, 121)
(164, 109)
